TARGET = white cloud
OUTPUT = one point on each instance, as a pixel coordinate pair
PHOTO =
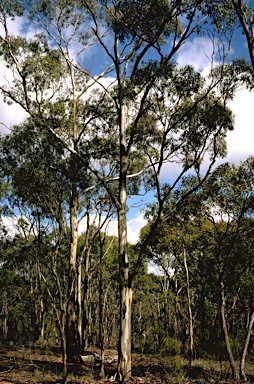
(9, 224)
(15, 26)
(110, 226)
(199, 52)
(240, 141)
(134, 226)
(13, 114)
(20, 27)
(155, 269)
(10, 115)
(15, 225)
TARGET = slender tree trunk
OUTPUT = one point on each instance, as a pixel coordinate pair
(177, 306)
(63, 344)
(102, 334)
(79, 302)
(101, 307)
(189, 309)
(86, 287)
(5, 314)
(42, 318)
(40, 304)
(124, 347)
(86, 299)
(246, 345)
(226, 335)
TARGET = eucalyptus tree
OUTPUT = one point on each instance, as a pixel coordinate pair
(229, 206)
(157, 116)
(146, 118)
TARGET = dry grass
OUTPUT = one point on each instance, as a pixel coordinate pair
(40, 366)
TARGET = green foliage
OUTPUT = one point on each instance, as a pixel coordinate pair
(28, 156)
(221, 13)
(177, 366)
(15, 301)
(12, 8)
(156, 20)
(39, 73)
(172, 347)
(238, 69)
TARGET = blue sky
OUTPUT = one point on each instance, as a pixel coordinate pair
(198, 52)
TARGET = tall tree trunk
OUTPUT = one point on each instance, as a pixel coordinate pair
(72, 337)
(189, 309)
(226, 335)
(124, 352)
(73, 346)
(124, 347)
(245, 349)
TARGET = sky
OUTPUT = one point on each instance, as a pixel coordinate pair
(197, 52)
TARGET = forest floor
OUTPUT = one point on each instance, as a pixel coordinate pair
(37, 366)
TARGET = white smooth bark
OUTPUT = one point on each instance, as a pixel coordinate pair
(124, 347)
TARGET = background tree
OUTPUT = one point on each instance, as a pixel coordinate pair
(231, 194)
(214, 227)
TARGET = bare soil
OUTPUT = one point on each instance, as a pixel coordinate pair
(32, 365)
